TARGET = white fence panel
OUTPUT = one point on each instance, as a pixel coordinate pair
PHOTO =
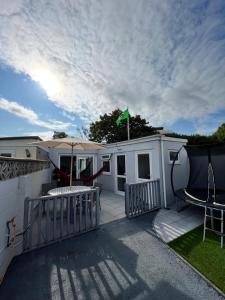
(141, 198)
(52, 218)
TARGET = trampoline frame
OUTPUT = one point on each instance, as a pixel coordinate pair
(210, 204)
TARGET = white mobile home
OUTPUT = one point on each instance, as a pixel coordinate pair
(143, 159)
(132, 161)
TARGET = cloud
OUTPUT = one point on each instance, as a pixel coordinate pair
(163, 59)
(30, 116)
(68, 116)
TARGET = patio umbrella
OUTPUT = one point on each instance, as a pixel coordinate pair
(70, 143)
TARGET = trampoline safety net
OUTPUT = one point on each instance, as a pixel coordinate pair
(206, 182)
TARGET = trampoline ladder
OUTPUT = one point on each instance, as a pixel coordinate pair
(209, 213)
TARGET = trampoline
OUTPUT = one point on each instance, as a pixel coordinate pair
(206, 182)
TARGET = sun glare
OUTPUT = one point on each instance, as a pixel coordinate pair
(48, 81)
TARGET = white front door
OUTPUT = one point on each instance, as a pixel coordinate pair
(121, 176)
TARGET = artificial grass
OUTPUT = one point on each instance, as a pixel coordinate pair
(207, 257)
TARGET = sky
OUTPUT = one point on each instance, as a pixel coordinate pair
(65, 62)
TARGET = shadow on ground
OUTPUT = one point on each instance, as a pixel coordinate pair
(121, 260)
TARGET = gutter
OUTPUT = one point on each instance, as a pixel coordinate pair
(163, 172)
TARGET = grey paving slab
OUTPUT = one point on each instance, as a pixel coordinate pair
(121, 260)
(112, 207)
(170, 224)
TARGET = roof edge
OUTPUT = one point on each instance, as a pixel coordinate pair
(146, 139)
(7, 138)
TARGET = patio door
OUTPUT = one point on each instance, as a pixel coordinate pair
(85, 167)
(121, 176)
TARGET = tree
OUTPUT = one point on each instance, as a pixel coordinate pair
(106, 130)
(194, 139)
(59, 135)
(219, 135)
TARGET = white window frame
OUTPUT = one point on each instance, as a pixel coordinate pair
(136, 165)
(78, 155)
(177, 162)
(110, 165)
(64, 154)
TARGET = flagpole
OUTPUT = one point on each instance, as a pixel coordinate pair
(128, 126)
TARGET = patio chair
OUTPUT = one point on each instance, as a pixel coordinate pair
(98, 185)
(47, 187)
(77, 182)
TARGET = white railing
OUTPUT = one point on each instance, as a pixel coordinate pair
(142, 197)
(14, 167)
(52, 218)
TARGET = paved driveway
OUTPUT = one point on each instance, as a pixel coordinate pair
(122, 260)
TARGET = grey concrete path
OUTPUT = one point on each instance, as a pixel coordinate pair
(170, 224)
(112, 207)
(121, 260)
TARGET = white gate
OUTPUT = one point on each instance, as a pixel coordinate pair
(52, 218)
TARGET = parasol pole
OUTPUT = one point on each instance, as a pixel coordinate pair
(71, 167)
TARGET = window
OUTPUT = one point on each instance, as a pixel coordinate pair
(173, 156)
(106, 164)
(143, 166)
(121, 165)
(65, 161)
(6, 154)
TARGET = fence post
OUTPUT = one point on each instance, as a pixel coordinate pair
(127, 199)
(25, 222)
(159, 193)
(97, 207)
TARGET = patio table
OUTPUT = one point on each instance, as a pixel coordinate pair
(69, 189)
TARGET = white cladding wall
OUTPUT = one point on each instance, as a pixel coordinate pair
(130, 150)
(181, 169)
(13, 193)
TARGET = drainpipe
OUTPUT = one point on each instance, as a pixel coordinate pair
(163, 172)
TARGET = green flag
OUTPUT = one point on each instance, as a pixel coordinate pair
(124, 116)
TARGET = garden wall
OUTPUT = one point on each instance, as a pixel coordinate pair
(12, 194)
